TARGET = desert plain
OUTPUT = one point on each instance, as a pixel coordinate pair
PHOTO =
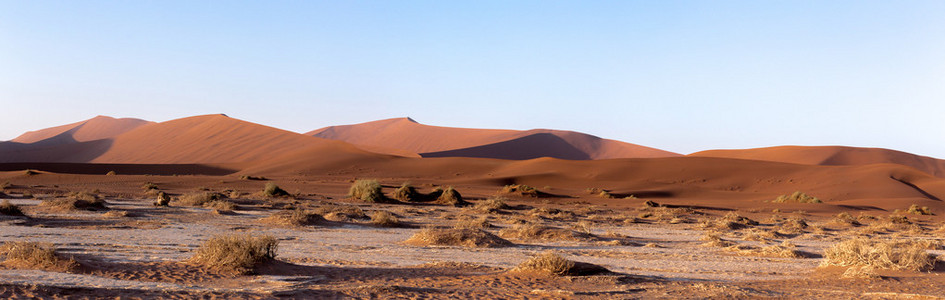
(215, 207)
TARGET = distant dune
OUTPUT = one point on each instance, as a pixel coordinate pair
(833, 156)
(404, 136)
(100, 127)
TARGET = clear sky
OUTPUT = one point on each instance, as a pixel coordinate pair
(682, 76)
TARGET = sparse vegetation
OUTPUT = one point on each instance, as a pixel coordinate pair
(384, 219)
(451, 197)
(520, 189)
(367, 191)
(894, 255)
(471, 222)
(200, 199)
(295, 217)
(340, 213)
(916, 210)
(9, 209)
(111, 173)
(407, 193)
(76, 201)
(162, 199)
(273, 190)
(148, 186)
(553, 264)
(235, 253)
(491, 205)
(532, 231)
(247, 177)
(33, 255)
(796, 197)
(465, 237)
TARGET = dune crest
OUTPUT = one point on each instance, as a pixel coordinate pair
(99, 127)
(833, 156)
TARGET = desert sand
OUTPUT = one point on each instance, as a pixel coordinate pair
(705, 225)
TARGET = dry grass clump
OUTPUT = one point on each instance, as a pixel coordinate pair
(235, 253)
(792, 226)
(76, 201)
(367, 191)
(521, 190)
(916, 210)
(148, 186)
(796, 197)
(715, 240)
(385, 219)
(532, 231)
(295, 217)
(894, 255)
(493, 204)
(845, 219)
(247, 177)
(9, 209)
(785, 250)
(451, 197)
(199, 199)
(33, 255)
(340, 213)
(273, 190)
(162, 199)
(407, 193)
(730, 221)
(465, 237)
(860, 272)
(553, 264)
(473, 223)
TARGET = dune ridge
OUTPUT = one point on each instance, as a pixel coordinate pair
(833, 156)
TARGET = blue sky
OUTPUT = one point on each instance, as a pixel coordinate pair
(677, 75)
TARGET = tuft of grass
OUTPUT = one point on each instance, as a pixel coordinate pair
(605, 194)
(273, 190)
(33, 255)
(520, 189)
(147, 186)
(76, 201)
(367, 191)
(796, 197)
(200, 199)
(493, 204)
(894, 255)
(340, 213)
(162, 199)
(235, 253)
(451, 197)
(473, 223)
(916, 210)
(9, 209)
(532, 231)
(553, 264)
(407, 193)
(465, 237)
(384, 219)
(295, 217)
(247, 177)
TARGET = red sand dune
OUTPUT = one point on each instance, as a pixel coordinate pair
(833, 156)
(195, 140)
(404, 135)
(100, 127)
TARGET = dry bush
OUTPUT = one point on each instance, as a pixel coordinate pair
(472, 223)
(465, 237)
(493, 204)
(895, 255)
(785, 250)
(605, 195)
(407, 193)
(860, 272)
(793, 226)
(715, 240)
(730, 221)
(295, 217)
(162, 199)
(33, 255)
(78, 201)
(220, 205)
(553, 264)
(116, 214)
(273, 190)
(247, 177)
(796, 197)
(199, 199)
(147, 186)
(9, 209)
(521, 190)
(451, 197)
(916, 210)
(235, 253)
(845, 219)
(532, 231)
(367, 191)
(384, 219)
(340, 213)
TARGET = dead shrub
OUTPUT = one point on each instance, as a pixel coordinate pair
(33, 255)
(162, 199)
(451, 197)
(916, 210)
(730, 221)
(860, 272)
(295, 217)
(894, 255)
(78, 201)
(465, 237)
(9, 209)
(147, 186)
(340, 213)
(273, 190)
(385, 219)
(785, 250)
(367, 191)
(199, 199)
(520, 190)
(235, 253)
(796, 197)
(845, 219)
(532, 231)
(407, 193)
(715, 240)
(493, 204)
(553, 264)
(220, 205)
(472, 223)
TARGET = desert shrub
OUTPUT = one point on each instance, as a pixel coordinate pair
(491, 205)
(916, 210)
(9, 209)
(471, 222)
(451, 197)
(605, 195)
(273, 190)
(473, 238)
(367, 191)
(730, 221)
(553, 264)
(116, 214)
(407, 193)
(895, 255)
(520, 189)
(111, 173)
(532, 231)
(384, 219)
(785, 250)
(33, 255)
(76, 201)
(162, 199)
(235, 253)
(247, 177)
(295, 217)
(860, 272)
(340, 213)
(715, 240)
(844, 218)
(220, 205)
(147, 186)
(793, 225)
(199, 199)
(796, 197)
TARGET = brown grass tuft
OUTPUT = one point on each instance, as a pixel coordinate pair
(451, 197)
(367, 191)
(199, 199)
(385, 219)
(553, 264)
(916, 210)
(895, 255)
(296, 217)
(273, 190)
(520, 189)
(9, 209)
(796, 197)
(340, 213)
(473, 238)
(407, 193)
(493, 204)
(532, 231)
(33, 255)
(235, 253)
(472, 223)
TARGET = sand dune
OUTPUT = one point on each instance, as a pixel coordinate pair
(833, 155)
(402, 135)
(100, 127)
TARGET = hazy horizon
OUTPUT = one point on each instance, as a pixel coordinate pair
(681, 76)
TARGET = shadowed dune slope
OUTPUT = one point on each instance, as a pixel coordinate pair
(404, 136)
(833, 156)
(100, 127)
